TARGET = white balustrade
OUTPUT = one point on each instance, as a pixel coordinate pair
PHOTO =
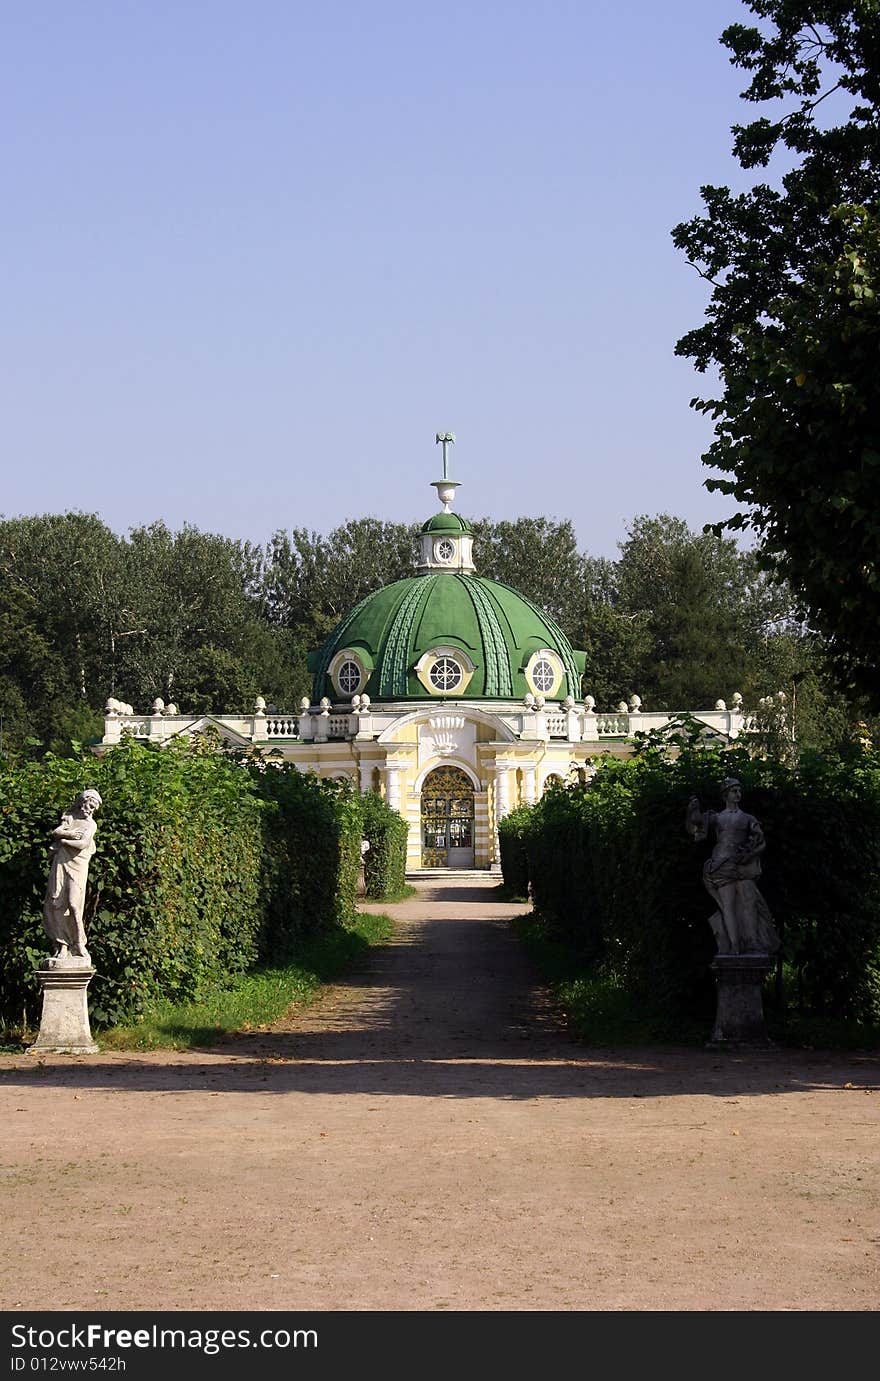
(137, 728)
(571, 725)
(612, 725)
(281, 726)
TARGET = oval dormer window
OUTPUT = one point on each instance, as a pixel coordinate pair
(544, 673)
(444, 550)
(543, 676)
(348, 677)
(445, 674)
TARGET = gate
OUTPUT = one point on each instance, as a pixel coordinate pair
(447, 819)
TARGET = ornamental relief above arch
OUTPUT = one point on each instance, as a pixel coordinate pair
(409, 726)
(447, 734)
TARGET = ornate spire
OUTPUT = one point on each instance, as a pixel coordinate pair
(446, 487)
(447, 539)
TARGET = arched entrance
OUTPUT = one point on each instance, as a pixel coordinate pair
(447, 819)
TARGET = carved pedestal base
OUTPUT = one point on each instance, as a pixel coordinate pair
(64, 1026)
(739, 1014)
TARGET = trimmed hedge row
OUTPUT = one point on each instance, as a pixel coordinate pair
(614, 876)
(385, 860)
(203, 867)
(512, 835)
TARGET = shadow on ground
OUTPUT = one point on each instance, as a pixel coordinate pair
(450, 1009)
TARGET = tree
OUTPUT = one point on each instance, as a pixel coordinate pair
(33, 679)
(309, 582)
(69, 566)
(792, 322)
(616, 640)
(214, 681)
(538, 557)
(799, 429)
(186, 593)
(704, 606)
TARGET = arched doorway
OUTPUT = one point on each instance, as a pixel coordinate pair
(447, 819)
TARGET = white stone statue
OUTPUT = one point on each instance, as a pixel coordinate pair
(72, 848)
(742, 924)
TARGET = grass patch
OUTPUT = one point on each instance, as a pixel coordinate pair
(821, 1033)
(504, 893)
(403, 894)
(598, 1010)
(255, 999)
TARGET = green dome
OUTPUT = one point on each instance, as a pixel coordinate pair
(447, 522)
(497, 629)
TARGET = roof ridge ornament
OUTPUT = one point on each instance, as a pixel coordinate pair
(446, 487)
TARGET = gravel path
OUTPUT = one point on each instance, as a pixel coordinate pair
(427, 1138)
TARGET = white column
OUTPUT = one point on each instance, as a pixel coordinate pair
(392, 785)
(502, 807)
(502, 793)
(529, 785)
(366, 776)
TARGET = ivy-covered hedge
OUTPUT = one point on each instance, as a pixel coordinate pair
(203, 867)
(615, 877)
(385, 860)
(311, 853)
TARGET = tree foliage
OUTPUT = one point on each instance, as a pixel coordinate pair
(537, 556)
(680, 618)
(793, 322)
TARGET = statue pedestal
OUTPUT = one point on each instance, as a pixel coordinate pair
(64, 1025)
(739, 1014)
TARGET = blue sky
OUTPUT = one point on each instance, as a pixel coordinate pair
(255, 256)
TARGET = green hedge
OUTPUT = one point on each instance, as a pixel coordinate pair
(385, 861)
(203, 867)
(311, 853)
(615, 877)
(512, 836)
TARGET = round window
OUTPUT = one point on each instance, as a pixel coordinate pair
(348, 677)
(445, 674)
(444, 550)
(543, 676)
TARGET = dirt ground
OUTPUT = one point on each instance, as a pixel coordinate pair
(427, 1138)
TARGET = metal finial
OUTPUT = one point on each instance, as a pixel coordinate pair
(445, 439)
